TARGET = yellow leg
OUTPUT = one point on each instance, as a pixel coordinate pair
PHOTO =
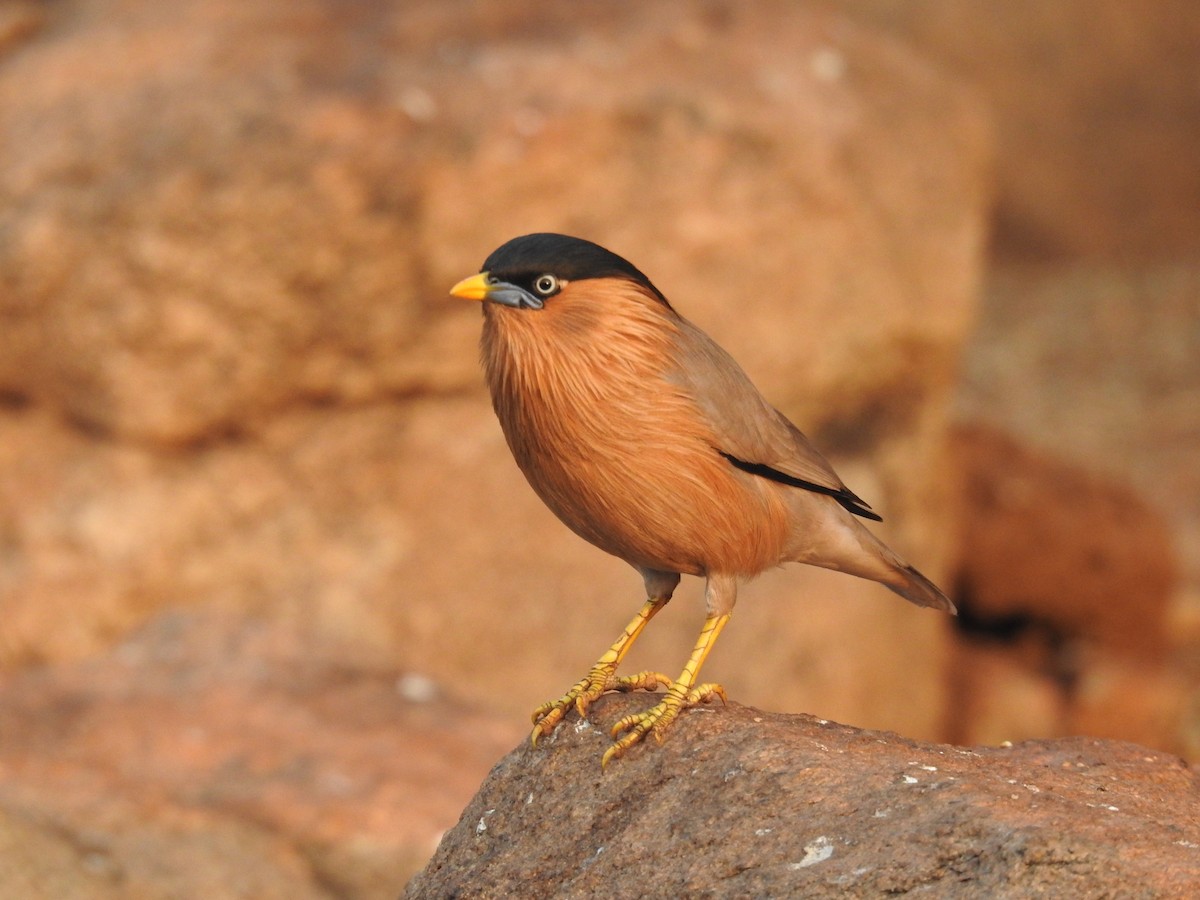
(602, 677)
(682, 694)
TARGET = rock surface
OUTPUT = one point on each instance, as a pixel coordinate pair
(1099, 366)
(212, 756)
(1096, 116)
(1044, 541)
(1093, 374)
(742, 803)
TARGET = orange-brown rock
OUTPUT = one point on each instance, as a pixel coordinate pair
(742, 803)
(217, 756)
(1002, 691)
(1098, 366)
(1048, 542)
(1095, 117)
(1089, 373)
(1150, 702)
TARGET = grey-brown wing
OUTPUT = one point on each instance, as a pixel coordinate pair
(750, 433)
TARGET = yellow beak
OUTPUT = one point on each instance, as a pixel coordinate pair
(473, 288)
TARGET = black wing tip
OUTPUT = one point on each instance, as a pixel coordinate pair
(850, 501)
(859, 508)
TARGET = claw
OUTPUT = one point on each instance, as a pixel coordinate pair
(600, 680)
(658, 718)
(704, 694)
(683, 694)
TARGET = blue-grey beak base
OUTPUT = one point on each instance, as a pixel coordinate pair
(510, 295)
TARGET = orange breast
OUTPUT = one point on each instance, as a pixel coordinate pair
(615, 449)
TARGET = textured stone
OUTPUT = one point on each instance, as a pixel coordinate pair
(1096, 117)
(1003, 691)
(1151, 702)
(213, 756)
(1091, 372)
(742, 803)
(1099, 366)
(39, 863)
(1049, 543)
(203, 221)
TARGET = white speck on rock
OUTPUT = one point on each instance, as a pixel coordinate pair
(909, 779)
(482, 826)
(816, 851)
(828, 64)
(417, 103)
(759, 832)
(417, 688)
(582, 725)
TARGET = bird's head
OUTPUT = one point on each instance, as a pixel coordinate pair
(529, 271)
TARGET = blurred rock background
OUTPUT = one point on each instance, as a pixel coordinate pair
(273, 596)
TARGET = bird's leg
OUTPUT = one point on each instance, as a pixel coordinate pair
(603, 677)
(684, 693)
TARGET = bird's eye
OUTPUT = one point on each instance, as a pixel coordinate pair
(545, 285)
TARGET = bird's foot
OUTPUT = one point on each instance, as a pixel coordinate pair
(601, 679)
(658, 718)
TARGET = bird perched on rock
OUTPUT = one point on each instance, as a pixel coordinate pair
(646, 438)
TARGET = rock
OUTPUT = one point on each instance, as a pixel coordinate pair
(742, 803)
(38, 863)
(1150, 702)
(1095, 118)
(229, 373)
(1090, 373)
(214, 756)
(1051, 544)
(1066, 585)
(1098, 365)
(272, 225)
(1004, 691)
(194, 238)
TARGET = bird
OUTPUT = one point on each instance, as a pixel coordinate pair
(648, 440)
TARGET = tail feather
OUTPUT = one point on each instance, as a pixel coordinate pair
(830, 537)
(916, 588)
